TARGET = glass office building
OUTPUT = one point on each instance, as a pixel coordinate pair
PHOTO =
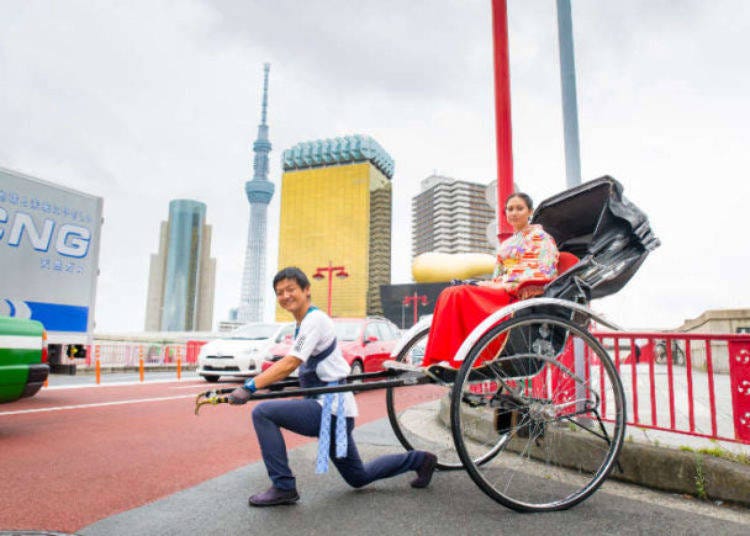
(181, 282)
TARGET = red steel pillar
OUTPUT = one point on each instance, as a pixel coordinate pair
(503, 136)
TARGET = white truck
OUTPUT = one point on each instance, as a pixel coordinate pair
(49, 261)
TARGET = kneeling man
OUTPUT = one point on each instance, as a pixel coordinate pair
(316, 353)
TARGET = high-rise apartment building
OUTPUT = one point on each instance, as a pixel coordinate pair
(450, 216)
(336, 200)
(259, 192)
(182, 273)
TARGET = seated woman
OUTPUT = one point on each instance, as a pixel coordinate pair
(529, 254)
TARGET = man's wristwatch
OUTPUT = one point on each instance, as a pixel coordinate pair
(249, 386)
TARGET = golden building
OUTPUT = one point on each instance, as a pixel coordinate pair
(336, 211)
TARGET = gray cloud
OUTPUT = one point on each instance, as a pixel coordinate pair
(413, 49)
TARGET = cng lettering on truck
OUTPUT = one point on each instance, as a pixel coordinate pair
(72, 240)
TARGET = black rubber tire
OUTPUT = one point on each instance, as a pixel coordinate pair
(678, 355)
(551, 459)
(438, 439)
(357, 368)
(211, 379)
(660, 353)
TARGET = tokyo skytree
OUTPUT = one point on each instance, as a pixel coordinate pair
(259, 192)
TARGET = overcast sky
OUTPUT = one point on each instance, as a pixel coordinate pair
(141, 102)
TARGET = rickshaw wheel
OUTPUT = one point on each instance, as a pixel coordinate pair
(419, 414)
(562, 430)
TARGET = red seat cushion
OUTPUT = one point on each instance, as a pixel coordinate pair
(565, 262)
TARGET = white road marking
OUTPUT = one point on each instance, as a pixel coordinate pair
(94, 405)
(205, 387)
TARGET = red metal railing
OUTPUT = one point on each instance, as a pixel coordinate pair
(694, 384)
(128, 354)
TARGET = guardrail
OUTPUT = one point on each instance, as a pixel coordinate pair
(694, 384)
(116, 355)
(127, 354)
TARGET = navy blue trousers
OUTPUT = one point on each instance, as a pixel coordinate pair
(303, 417)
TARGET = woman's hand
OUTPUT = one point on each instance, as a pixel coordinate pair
(491, 284)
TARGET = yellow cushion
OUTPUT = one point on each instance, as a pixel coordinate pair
(442, 267)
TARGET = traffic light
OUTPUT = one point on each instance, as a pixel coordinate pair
(76, 351)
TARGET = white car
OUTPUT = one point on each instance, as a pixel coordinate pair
(241, 352)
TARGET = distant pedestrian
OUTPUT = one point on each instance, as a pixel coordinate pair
(316, 353)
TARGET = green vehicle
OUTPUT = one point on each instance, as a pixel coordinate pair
(23, 356)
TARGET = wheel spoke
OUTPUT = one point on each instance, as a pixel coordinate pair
(420, 415)
(551, 458)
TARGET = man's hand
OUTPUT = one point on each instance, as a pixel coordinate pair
(530, 291)
(278, 371)
(239, 396)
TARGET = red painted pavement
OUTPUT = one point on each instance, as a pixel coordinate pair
(63, 470)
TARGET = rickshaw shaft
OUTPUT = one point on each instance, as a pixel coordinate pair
(411, 379)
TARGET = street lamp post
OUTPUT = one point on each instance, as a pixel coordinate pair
(331, 270)
(415, 299)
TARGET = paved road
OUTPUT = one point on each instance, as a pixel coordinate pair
(71, 456)
(132, 459)
(451, 505)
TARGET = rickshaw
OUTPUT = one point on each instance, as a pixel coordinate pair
(536, 413)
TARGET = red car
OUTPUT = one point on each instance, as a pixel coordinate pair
(365, 343)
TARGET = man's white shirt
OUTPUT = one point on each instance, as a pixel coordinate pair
(316, 333)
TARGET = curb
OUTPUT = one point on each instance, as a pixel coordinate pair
(666, 469)
(703, 476)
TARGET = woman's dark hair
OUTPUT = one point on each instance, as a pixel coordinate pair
(525, 197)
(293, 273)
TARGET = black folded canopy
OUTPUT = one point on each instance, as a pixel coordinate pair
(608, 233)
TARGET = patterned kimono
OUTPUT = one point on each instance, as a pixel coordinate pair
(530, 254)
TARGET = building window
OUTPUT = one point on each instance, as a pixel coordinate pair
(743, 329)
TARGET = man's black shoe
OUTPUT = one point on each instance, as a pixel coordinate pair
(274, 497)
(425, 471)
